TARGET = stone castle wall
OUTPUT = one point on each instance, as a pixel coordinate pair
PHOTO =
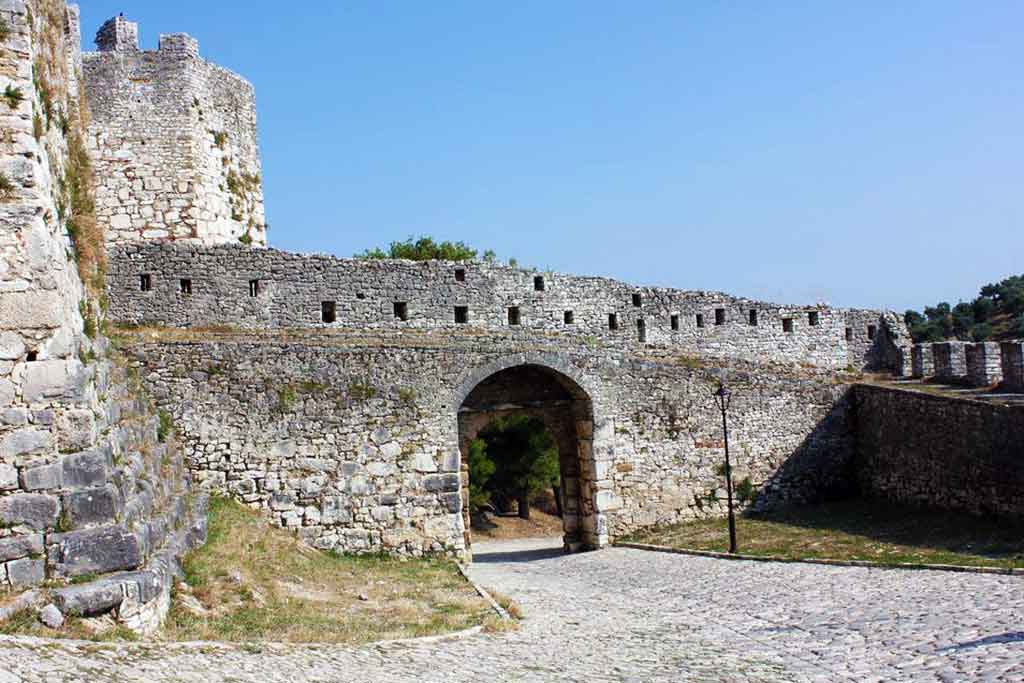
(933, 450)
(87, 486)
(192, 286)
(355, 442)
(173, 138)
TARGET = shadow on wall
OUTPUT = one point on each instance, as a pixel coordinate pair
(822, 468)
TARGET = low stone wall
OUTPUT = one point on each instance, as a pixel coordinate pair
(934, 450)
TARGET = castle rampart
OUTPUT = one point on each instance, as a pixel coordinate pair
(174, 142)
(191, 286)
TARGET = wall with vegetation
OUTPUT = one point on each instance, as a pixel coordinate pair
(91, 484)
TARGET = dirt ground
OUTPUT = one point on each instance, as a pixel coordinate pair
(511, 526)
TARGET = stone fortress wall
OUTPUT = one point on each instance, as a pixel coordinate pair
(178, 285)
(173, 139)
(88, 487)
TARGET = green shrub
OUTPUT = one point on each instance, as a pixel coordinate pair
(14, 96)
(163, 430)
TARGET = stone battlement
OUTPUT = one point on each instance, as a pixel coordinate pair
(193, 286)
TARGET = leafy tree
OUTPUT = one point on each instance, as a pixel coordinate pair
(995, 313)
(423, 249)
(913, 318)
(481, 469)
(525, 457)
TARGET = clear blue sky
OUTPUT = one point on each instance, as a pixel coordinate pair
(868, 154)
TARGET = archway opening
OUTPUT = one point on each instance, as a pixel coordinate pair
(524, 400)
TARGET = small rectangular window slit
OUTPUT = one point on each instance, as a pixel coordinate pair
(460, 274)
(186, 286)
(787, 324)
(700, 320)
(641, 330)
(513, 315)
(538, 283)
(401, 310)
(753, 317)
(569, 318)
(872, 331)
(462, 314)
(849, 334)
(254, 287)
(613, 321)
(637, 300)
(145, 282)
(675, 322)
(328, 312)
(719, 316)
(813, 318)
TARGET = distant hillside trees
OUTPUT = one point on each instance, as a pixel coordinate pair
(997, 313)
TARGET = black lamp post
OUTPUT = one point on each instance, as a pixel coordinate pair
(722, 398)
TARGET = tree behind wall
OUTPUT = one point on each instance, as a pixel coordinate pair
(525, 458)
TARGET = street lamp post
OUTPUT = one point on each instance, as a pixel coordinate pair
(722, 398)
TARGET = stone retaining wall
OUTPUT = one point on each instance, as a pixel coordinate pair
(984, 364)
(1013, 365)
(939, 451)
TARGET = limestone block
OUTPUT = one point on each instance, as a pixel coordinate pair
(51, 617)
(25, 573)
(7, 392)
(23, 441)
(88, 468)
(17, 547)
(33, 510)
(121, 221)
(93, 506)
(94, 551)
(41, 478)
(54, 379)
(31, 310)
(422, 462)
(88, 600)
(11, 346)
(76, 429)
(8, 477)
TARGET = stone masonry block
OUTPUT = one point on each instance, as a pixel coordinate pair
(34, 510)
(41, 478)
(94, 551)
(93, 506)
(55, 379)
(31, 310)
(17, 547)
(25, 573)
(88, 468)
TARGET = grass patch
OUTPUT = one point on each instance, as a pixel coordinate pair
(258, 583)
(857, 530)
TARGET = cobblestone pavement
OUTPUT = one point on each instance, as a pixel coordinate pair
(632, 615)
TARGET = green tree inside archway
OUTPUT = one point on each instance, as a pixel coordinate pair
(511, 460)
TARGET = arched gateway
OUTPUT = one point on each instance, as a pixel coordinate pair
(551, 389)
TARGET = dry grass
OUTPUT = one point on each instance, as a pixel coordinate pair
(858, 530)
(257, 583)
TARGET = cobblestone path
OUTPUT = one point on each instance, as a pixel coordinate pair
(631, 615)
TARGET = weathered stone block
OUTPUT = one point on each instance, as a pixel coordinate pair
(441, 482)
(34, 510)
(8, 477)
(30, 310)
(93, 506)
(17, 547)
(100, 550)
(25, 573)
(88, 600)
(24, 441)
(41, 478)
(88, 468)
(54, 380)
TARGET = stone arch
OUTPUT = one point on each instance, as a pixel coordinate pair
(566, 402)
